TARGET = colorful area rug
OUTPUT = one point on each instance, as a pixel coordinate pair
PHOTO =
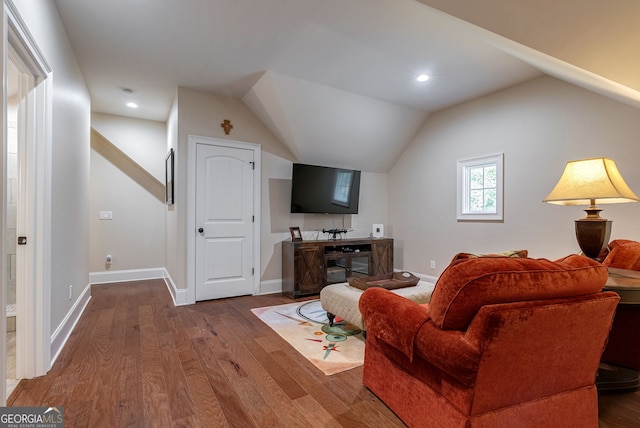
(306, 327)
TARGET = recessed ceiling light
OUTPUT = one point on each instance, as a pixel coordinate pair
(132, 105)
(422, 78)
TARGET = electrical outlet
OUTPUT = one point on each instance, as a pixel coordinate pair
(70, 292)
(433, 264)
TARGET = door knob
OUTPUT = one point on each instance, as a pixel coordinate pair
(200, 230)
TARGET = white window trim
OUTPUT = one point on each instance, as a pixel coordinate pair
(463, 213)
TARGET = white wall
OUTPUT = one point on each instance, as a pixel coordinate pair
(374, 205)
(171, 253)
(144, 141)
(135, 237)
(199, 113)
(70, 158)
(276, 218)
(539, 126)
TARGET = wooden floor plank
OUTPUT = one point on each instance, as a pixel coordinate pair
(269, 387)
(233, 368)
(320, 393)
(231, 404)
(155, 400)
(129, 393)
(314, 414)
(280, 375)
(175, 381)
(90, 370)
(136, 360)
(206, 405)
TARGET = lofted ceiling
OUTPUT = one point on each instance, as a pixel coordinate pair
(333, 80)
(602, 37)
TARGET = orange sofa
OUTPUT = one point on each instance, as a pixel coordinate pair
(504, 342)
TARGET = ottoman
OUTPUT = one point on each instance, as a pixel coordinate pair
(342, 300)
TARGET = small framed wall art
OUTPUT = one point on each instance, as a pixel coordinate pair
(168, 178)
(295, 234)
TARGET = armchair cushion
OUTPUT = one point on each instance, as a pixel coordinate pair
(466, 285)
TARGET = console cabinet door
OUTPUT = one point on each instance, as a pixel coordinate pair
(382, 254)
(344, 266)
(309, 270)
(308, 266)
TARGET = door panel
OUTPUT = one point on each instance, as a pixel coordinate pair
(225, 258)
(224, 211)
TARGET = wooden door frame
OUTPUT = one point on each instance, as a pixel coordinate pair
(194, 140)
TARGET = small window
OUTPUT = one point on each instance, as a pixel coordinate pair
(342, 188)
(480, 188)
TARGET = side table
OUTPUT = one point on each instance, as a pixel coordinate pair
(626, 283)
(620, 366)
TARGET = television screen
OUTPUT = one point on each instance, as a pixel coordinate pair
(324, 190)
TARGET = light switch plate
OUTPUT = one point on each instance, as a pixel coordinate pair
(106, 215)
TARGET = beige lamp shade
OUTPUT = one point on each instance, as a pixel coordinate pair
(584, 182)
(587, 180)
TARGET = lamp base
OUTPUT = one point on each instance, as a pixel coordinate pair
(593, 235)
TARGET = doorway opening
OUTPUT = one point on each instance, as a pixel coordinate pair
(26, 210)
(11, 201)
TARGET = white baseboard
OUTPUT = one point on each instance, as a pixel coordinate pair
(62, 333)
(270, 287)
(179, 295)
(427, 278)
(126, 275)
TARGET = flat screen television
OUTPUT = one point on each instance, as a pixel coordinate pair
(324, 190)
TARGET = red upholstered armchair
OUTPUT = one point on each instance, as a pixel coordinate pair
(504, 342)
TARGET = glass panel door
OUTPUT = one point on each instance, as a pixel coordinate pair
(359, 266)
(336, 269)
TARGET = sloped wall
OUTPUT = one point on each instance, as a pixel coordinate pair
(200, 113)
(539, 126)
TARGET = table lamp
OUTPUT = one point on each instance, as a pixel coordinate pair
(582, 183)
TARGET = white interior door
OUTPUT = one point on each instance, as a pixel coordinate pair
(224, 221)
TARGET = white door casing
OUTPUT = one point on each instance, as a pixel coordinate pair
(224, 193)
(34, 205)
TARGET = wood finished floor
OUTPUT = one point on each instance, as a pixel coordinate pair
(135, 360)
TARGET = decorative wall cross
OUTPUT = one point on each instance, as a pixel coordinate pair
(227, 126)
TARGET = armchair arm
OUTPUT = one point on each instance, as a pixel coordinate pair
(450, 351)
(406, 326)
(624, 254)
(393, 319)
